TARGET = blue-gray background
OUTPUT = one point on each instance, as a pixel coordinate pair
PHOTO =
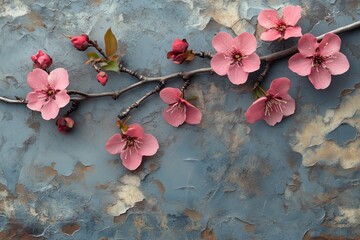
(222, 179)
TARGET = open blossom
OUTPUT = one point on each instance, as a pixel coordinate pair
(319, 61)
(274, 105)
(49, 93)
(41, 60)
(277, 27)
(179, 52)
(179, 110)
(235, 57)
(132, 145)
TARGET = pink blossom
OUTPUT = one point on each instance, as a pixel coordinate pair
(179, 52)
(41, 60)
(319, 61)
(235, 57)
(81, 42)
(272, 107)
(179, 110)
(277, 27)
(132, 145)
(49, 93)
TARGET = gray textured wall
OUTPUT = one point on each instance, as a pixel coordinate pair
(222, 179)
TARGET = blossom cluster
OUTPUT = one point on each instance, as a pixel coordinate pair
(235, 57)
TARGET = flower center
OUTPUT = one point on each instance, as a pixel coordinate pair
(51, 92)
(281, 28)
(317, 60)
(177, 107)
(274, 104)
(132, 144)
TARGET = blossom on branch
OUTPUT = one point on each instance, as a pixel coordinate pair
(319, 61)
(132, 144)
(280, 28)
(49, 93)
(179, 110)
(274, 105)
(81, 42)
(41, 60)
(102, 78)
(235, 57)
(179, 52)
(65, 124)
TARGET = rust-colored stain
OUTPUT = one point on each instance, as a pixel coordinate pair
(32, 123)
(23, 195)
(193, 214)
(121, 219)
(70, 229)
(35, 21)
(250, 228)
(97, 2)
(208, 234)
(78, 173)
(160, 186)
(16, 231)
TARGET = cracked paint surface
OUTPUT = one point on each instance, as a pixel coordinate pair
(222, 179)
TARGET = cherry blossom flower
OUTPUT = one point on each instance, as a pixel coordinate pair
(277, 27)
(319, 61)
(49, 93)
(132, 145)
(235, 57)
(179, 110)
(274, 105)
(41, 60)
(179, 52)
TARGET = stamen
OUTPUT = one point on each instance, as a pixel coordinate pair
(274, 104)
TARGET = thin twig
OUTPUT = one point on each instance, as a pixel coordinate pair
(131, 72)
(98, 48)
(202, 54)
(138, 102)
(262, 75)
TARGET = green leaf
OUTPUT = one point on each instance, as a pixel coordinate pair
(111, 44)
(112, 66)
(92, 55)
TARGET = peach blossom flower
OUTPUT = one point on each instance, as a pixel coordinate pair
(235, 57)
(319, 61)
(277, 27)
(132, 145)
(49, 93)
(179, 110)
(272, 107)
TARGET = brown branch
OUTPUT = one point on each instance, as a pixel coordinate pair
(131, 72)
(98, 48)
(202, 54)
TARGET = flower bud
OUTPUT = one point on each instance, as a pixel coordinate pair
(41, 60)
(102, 77)
(65, 124)
(179, 52)
(81, 43)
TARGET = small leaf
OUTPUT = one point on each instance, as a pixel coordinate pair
(111, 44)
(92, 55)
(89, 61)
(112, 66)
(114, 57)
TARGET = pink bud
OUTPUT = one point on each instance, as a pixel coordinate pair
(41, 60)
(102, 77)
(180, 46)
(81, 43)
(179, 53)
(65, 124)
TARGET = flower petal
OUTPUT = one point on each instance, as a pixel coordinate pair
(115, 144)
(270, 35)
(170, 95)
(174, 115)
(251, 63)
(307, 45)
(292, 32)
(268, 18)
(50, 110)
(220, 64)
(237, 75)
(245, 43)
(256, 110)
(149, 145)
(193, 115)
(131, 160)
(330, 44)
(273, 118)
(279, 87)
(337, 64)
(62, 98)
(59, 79)
(135, 130)
(35, 100)
(320, 79)
(291, 15)
(300, 64)
(222, 42)
(38, 79)
(289, 106)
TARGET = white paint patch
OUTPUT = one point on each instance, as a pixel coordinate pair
(348, 217)
(15, 8)
(128, 194)
(311, 140)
